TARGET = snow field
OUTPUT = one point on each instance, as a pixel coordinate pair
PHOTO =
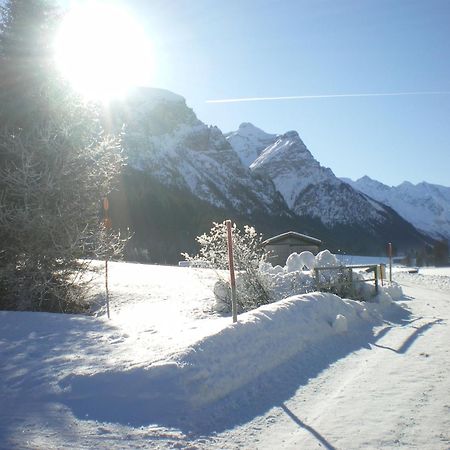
(437, 278)
(188, 363)
(167, 370)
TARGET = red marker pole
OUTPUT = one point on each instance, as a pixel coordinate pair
(231, 266)
(107, 224)
(390, 261)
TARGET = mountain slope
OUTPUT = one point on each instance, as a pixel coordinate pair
(313, 191)
(425, 205)
(164, 137)
(309, 188)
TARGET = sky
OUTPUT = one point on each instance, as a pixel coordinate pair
(210, 49)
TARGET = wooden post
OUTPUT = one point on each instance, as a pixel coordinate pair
(231, 266)
(107, 224)
(376, 280)
(390, 261)
(352, 289)
(106, 288)
(316, 274)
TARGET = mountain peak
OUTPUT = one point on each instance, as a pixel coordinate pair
(293, 139)
(291, 135)
(247, 129)
(405, 184)
(366, 182)
(423, 205)
(249, 141)
(245, 126)
(292, 167)
(365, 179)
(146, 94)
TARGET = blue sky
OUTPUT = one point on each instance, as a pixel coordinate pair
(208, 49)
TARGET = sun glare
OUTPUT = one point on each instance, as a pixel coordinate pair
(103, 51)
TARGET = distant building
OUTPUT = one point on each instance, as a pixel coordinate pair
(281, 246)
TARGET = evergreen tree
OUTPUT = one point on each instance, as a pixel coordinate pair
(56, 164)
(26, 30)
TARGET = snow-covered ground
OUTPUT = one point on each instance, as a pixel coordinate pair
(310, 371)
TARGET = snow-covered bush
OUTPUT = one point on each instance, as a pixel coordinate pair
(252, 286)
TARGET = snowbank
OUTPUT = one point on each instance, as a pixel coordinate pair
(226, 361)
(297, 277)
(262, 340)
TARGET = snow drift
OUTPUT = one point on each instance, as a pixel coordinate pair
(220, 363)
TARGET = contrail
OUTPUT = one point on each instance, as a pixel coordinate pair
(306, 97)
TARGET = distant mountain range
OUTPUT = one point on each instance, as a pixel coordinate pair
(183, 174)
(425, 205)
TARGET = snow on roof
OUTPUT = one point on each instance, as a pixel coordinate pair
(292, 234)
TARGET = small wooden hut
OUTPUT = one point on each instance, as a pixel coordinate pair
(282, 245)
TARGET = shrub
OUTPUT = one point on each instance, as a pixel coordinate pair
(50, 187)
(252, 286)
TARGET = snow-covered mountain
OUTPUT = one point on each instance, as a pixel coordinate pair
(164, 137)
(313, 191)
(425, 205)
(183, 174)
(308, 188)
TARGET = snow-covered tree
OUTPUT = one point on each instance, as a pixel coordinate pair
(252, 287)
(56, 164)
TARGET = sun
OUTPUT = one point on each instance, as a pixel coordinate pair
(103, 51)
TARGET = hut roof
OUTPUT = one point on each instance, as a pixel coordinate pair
(303, 238)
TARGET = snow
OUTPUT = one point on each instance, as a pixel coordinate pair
(249, 141)
(360, 260)
(298, 277)
(340, 324)
(435, 278)
(308, 371)
(326, 259)
(296, 262)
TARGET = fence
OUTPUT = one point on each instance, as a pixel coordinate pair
(340, 279)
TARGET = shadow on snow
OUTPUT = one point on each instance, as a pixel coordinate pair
(160, 395)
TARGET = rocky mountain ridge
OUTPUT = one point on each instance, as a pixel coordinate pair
(163, 136)
(425, 205)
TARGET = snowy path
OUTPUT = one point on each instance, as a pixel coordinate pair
(394, 394)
